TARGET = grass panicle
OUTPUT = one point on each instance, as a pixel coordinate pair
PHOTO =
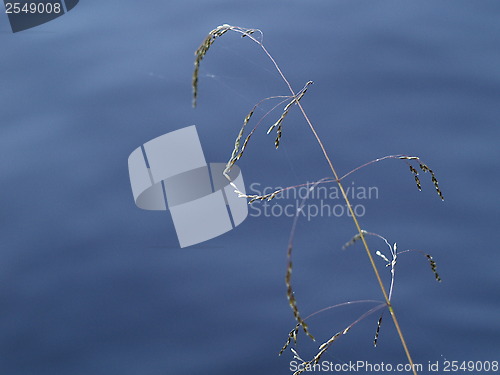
(240, 145)
(238, 148)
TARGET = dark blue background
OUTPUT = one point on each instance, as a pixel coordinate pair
(90, 284)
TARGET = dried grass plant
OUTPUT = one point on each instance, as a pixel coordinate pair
(414, 163)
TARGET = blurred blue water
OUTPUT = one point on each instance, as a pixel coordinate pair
(90, 284)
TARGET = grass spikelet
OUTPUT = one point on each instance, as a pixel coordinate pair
(383, 257)
(205, 46)
(415, 174)
(379, 323)
(291, 297)
(202, 51)
(353, 240)
(425, 168)
(436, 185)
(405, 157)
(417, 181)
(292, 335)
(248, 32)
(236, 152)
(245, 142)
(433, 265)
